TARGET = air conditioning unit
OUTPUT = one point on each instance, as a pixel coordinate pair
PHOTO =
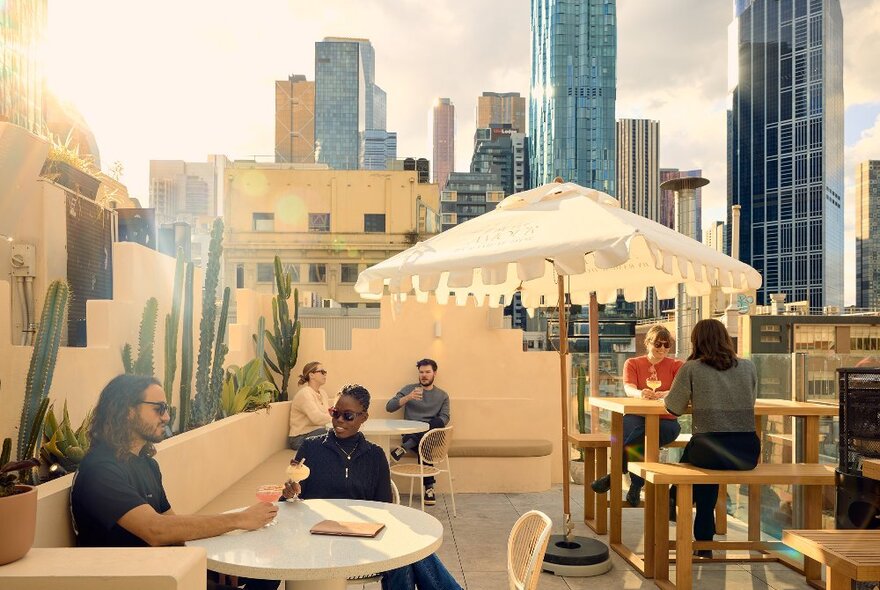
(831, 310)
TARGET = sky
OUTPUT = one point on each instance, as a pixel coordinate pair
(183, 79)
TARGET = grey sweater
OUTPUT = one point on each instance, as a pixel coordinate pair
(722, 401)
(434, 403)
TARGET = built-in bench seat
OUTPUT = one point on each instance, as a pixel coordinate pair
(684, 477)
(243, 492)
(503, 447)
(497, 466)
(143, 568)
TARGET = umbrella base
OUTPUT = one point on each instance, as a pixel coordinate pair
(577, 557)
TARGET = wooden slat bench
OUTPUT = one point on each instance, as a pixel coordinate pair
(595, 447)
(847, 554)
(685, 476)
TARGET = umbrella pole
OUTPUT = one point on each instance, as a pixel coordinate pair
(594, 359)
(563, 388)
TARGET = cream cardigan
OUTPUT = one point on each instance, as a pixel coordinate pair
(309, 411)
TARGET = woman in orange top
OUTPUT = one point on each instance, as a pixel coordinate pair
(655, 366)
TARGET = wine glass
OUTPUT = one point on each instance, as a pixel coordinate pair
(653, 382)
(269, 493)
(297, 471)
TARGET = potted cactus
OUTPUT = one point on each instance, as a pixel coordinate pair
(18, 500)
(18, 507)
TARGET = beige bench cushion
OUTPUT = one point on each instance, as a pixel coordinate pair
(500, 448)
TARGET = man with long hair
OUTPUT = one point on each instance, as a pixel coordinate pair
(117, 498)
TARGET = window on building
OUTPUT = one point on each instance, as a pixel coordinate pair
(263, 221)
(319, 222)
(265, 272)
(374, 223)
(293, 270)
(349, 273)
(317, 273)
(239, 276)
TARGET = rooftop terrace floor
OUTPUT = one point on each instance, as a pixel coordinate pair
(475, 545)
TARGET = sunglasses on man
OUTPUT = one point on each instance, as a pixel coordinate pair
(160, 407)
(346, 415)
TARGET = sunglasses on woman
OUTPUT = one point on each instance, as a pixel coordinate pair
(346, 415)
(321, 371)
(661, 345)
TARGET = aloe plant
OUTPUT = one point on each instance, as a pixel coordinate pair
(40, 372)
(146, 342)
(207, 398)
(186, 352)
(248, 388)
(62, 444)
(285, 339)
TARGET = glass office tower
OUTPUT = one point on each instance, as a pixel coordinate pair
(785, 145)
(340, 104)
(868, 234)
(573, 92)
(22, 30)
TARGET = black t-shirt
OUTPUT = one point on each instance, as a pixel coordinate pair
(105, 489)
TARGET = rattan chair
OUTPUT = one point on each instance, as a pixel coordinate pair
(433, 449)
(525, 550)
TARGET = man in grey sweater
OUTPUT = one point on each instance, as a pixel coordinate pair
(425, 402)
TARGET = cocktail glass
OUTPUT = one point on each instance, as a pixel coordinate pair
(269, 493)
(653, 383)
(297, 471)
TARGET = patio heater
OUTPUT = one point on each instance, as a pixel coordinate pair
(687, 309)
(858, 497)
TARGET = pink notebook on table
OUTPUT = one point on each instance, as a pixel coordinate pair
(347, 529)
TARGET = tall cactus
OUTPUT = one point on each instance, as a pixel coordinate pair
(172, 322)
(206, 401)
(186, 352)
(220, 350)
(42, 367)
(285, 340)
(39, 378)
(146, 341)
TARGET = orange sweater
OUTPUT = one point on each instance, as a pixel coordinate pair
(636, 371)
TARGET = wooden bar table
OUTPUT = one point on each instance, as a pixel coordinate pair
(652, 410)
(871, 468)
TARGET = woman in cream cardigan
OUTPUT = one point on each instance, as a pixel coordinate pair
(310, 411)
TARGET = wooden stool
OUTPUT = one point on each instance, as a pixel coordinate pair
(595, 448)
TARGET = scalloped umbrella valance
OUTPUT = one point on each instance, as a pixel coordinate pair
(538, 240)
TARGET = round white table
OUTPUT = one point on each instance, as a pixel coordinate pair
(288, 551)
(380, 430)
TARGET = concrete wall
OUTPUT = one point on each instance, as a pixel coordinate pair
(496, 390)
(80, 373)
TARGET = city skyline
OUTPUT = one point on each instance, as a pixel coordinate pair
(217, 51)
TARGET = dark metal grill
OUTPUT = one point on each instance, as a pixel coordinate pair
(859, 417)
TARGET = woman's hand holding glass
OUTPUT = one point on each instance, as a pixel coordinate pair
(292, 489)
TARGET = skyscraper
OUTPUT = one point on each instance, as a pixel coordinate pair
(295, 120)
(443, 139)
(638, 175)
(785, 145)
(379, 147)
(500, 150)
(22, 29)
(347, 101)
(713, 236)
(868, 234)
(502, 108)
(573, 92)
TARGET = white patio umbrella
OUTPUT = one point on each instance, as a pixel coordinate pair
(536, 240)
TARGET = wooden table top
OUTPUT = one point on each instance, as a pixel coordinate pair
(871, 468)
(763, 407)
(855, 553)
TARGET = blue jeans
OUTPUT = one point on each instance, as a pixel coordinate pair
(634, 441)
(428, 573)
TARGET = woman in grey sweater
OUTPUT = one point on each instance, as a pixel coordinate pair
(721, 389)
